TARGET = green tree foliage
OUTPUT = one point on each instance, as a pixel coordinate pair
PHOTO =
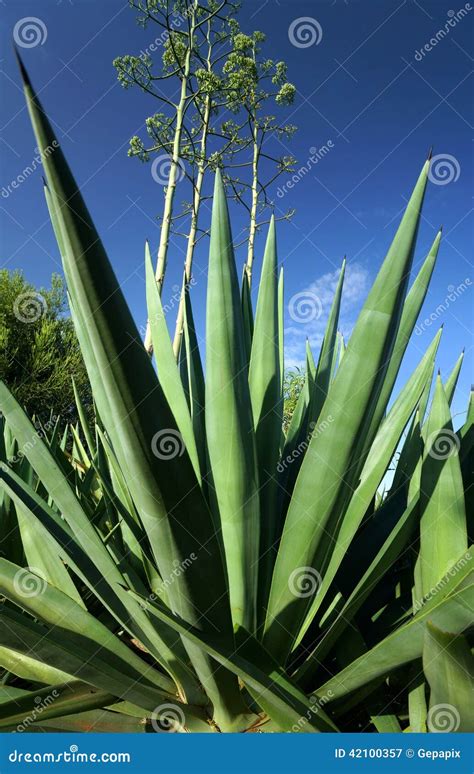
(293, 383)
(39, 352)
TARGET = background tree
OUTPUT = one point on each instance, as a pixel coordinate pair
(253, 82)
(39, 351)
(293, 383)
(219, 119)
(179, 132)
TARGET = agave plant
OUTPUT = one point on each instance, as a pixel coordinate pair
(185, 564)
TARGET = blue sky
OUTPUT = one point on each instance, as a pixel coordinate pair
(361, 88)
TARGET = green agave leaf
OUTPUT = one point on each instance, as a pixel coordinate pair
(338, 355)
(297, 439)
(325, 474)
(196, 385)
(443, 533)
(83, 420)
(281, 325)
(404, 645)
(465, 430)
(386, 724)
(417, 709)
(466, 456)
(323, 376)
(411, 310)
(168, 373)
(270, 687)
(79, 657)
(390, 550)
(229, 423)
(453, 377)
(412, 448)
(247, 313)
(377, 462)
(79, 454)
(32, 707)
(29, 668)
(42, 554)
(99, 721)
(118, 479)
(134, 538)
(267, 407)
(310, 364)
(47, 603)
(137, 416)
(9, 692)
(88, 557)
(449, 668)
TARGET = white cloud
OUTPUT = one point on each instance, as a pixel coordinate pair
(355, 289)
